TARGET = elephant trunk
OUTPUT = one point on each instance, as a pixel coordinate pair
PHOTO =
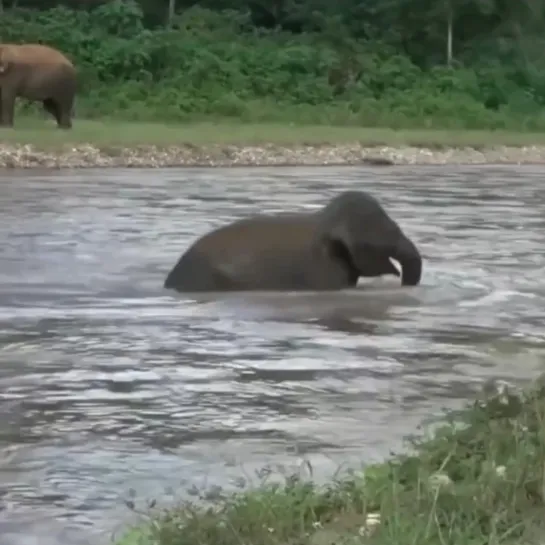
(408, 256)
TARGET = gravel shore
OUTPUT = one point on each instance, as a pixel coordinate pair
(87, 156)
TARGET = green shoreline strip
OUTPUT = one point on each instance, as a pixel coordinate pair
(479, 478)
(105, 134)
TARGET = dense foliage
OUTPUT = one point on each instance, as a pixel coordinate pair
(368, 62)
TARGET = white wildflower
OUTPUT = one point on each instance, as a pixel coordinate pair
(439, 479)
(501, 471)
(371, 523)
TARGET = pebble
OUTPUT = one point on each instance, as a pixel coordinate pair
(89, 156)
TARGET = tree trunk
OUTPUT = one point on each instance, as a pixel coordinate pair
(449, 33)
(171, 11)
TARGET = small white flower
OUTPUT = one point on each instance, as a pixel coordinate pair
(371, 523)
(501, 471)
(439, 479)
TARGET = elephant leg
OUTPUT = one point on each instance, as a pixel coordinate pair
(65, 120)
(60, 113)
(50, 108)
(65, 108)
(8, 108)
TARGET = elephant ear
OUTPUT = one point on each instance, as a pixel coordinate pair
(337, 243)
(358, 220)
(363, 251)
(378, 234)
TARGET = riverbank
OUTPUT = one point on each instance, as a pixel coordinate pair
(478, 479)
(38, 144)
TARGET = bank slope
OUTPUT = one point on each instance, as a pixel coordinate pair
(479, 478)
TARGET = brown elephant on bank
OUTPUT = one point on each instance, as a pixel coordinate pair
(40, 73)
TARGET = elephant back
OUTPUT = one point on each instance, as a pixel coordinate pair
(32, 54)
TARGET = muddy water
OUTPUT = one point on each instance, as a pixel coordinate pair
(109, 383)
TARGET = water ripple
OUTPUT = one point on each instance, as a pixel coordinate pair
(110, 383)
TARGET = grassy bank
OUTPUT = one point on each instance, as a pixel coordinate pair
(479, 479)
(42, 134)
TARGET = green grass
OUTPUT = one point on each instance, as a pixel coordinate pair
(478, 479)
(44, 135)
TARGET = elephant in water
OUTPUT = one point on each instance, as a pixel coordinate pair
(330, 249)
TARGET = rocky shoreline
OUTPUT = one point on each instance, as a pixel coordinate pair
(92, 156)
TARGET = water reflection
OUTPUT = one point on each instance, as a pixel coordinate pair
(109, 383)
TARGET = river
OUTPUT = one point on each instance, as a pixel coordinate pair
(110, 383)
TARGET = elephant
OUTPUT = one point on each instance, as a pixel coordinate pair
(330, 249)
(40, 73)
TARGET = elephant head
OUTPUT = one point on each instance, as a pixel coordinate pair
(4, 60)
(9, 57)
(355, 229)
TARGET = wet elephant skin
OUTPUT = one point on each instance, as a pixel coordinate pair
(351, 237)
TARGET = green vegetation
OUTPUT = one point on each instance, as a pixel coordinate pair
(121, 134)
(478, 479)
(372, 63)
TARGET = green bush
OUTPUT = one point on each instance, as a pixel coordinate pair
(217, 65)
